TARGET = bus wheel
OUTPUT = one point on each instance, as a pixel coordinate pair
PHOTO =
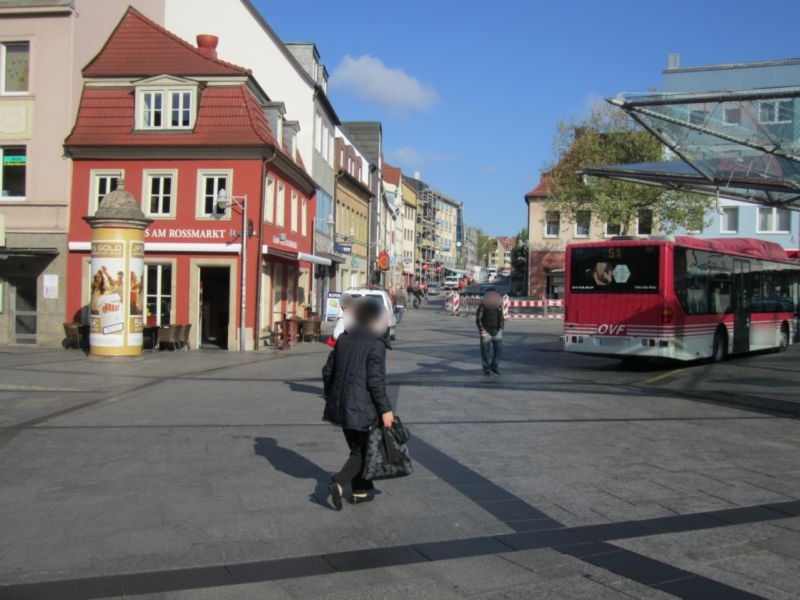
(784, 339)
(720, 348)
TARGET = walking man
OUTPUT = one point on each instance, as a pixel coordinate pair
(491, 322)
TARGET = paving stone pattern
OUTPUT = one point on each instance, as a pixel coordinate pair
(202, 475)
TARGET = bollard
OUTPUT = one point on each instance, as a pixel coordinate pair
(506, 305)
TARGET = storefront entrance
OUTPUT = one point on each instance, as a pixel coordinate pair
(24, 310)
(214, 306)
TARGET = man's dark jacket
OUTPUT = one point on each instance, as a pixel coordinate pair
(355, 381)
(490, 320)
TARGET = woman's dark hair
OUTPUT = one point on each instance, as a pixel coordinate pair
(368, 310)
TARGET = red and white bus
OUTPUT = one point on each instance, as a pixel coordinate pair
(680, 298)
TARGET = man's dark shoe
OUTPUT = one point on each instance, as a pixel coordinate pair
(487, 373)
(361, 497)
(496, 373)
(336, 494)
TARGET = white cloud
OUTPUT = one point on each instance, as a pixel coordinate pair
(367, 78)
(412, 158)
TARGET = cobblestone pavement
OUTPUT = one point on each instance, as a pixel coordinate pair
(201, 475)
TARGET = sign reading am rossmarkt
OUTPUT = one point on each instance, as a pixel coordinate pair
(343, 248)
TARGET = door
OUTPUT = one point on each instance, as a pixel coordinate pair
(24, 310)
(741, 305)
(277, 294)
(214, 306)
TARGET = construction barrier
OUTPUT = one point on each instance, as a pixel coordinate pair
(467, 305)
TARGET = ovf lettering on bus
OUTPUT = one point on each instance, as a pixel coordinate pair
(611, 329)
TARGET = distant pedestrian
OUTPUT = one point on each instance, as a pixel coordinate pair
(400, 303)
(491, 322)
(355, 396)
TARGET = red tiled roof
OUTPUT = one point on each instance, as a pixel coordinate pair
(506, 242)
(138, 47)
(391, 174)
(543, 190)
(227, 116)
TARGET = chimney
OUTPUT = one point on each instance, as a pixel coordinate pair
(673, 61)
(207, 44)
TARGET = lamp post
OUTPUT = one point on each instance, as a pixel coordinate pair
(239, 203)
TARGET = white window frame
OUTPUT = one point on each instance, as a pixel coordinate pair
(725, 121)
(294, 210)
(147, 176)
(588, 228)
(94, 176)
(547, 221)
(3, 46)
(159, 292)
(776, 111)
(610, 235)
(722, 228)
(280, 205)
(202, 174)
(304, 217)
(166, 108)
(269, 199)
(774, 220)
(3, 148)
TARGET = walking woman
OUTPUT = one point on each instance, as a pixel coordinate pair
(355, 395)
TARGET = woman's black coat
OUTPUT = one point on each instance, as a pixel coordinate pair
(355, 381)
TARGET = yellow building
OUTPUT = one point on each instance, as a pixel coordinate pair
(351, 230)
(408, 242)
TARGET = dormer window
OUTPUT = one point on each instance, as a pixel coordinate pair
(163, 103)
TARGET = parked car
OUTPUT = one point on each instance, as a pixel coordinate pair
(383, 296)
(433, 289)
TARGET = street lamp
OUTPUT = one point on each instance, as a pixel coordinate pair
(239, 203)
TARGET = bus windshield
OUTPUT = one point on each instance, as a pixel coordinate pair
(615, 269)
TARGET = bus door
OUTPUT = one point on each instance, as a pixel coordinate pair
(741, 305)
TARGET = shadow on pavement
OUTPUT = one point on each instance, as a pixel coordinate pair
(295, 465)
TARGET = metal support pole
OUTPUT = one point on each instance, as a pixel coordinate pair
(245, 235)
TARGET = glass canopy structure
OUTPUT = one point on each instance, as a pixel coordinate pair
(742, 144)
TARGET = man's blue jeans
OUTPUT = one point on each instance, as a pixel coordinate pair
(491, 351)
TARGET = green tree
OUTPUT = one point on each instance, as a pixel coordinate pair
(486, 245)
(609, 136)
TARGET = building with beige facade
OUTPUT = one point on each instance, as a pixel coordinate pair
(352, 200)
(408, 242)
(549, 233)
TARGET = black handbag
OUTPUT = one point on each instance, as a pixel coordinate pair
(387, 454)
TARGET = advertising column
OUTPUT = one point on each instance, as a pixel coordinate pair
(117, 302)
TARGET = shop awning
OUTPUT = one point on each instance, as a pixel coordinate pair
(313, 258)
(27, 252)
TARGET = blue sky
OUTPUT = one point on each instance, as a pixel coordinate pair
(469, 92)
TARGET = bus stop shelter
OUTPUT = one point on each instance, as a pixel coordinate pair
(739, 144)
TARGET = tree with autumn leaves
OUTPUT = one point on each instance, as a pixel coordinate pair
(608, 136)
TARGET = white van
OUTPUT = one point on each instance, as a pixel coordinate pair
(451, 282)
(383, 296)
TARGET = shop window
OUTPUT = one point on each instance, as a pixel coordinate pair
(269, 200)
(644, 222)
(213, 187)
(103, 183)
(729, 220)
(12, 176)
(159, 191)
(280, 206)
(158, 292)
(583, 221)
(773, 220)
(552, 225)
(294, 208)
(15, 57)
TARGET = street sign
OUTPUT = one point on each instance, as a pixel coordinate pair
(343, 248)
